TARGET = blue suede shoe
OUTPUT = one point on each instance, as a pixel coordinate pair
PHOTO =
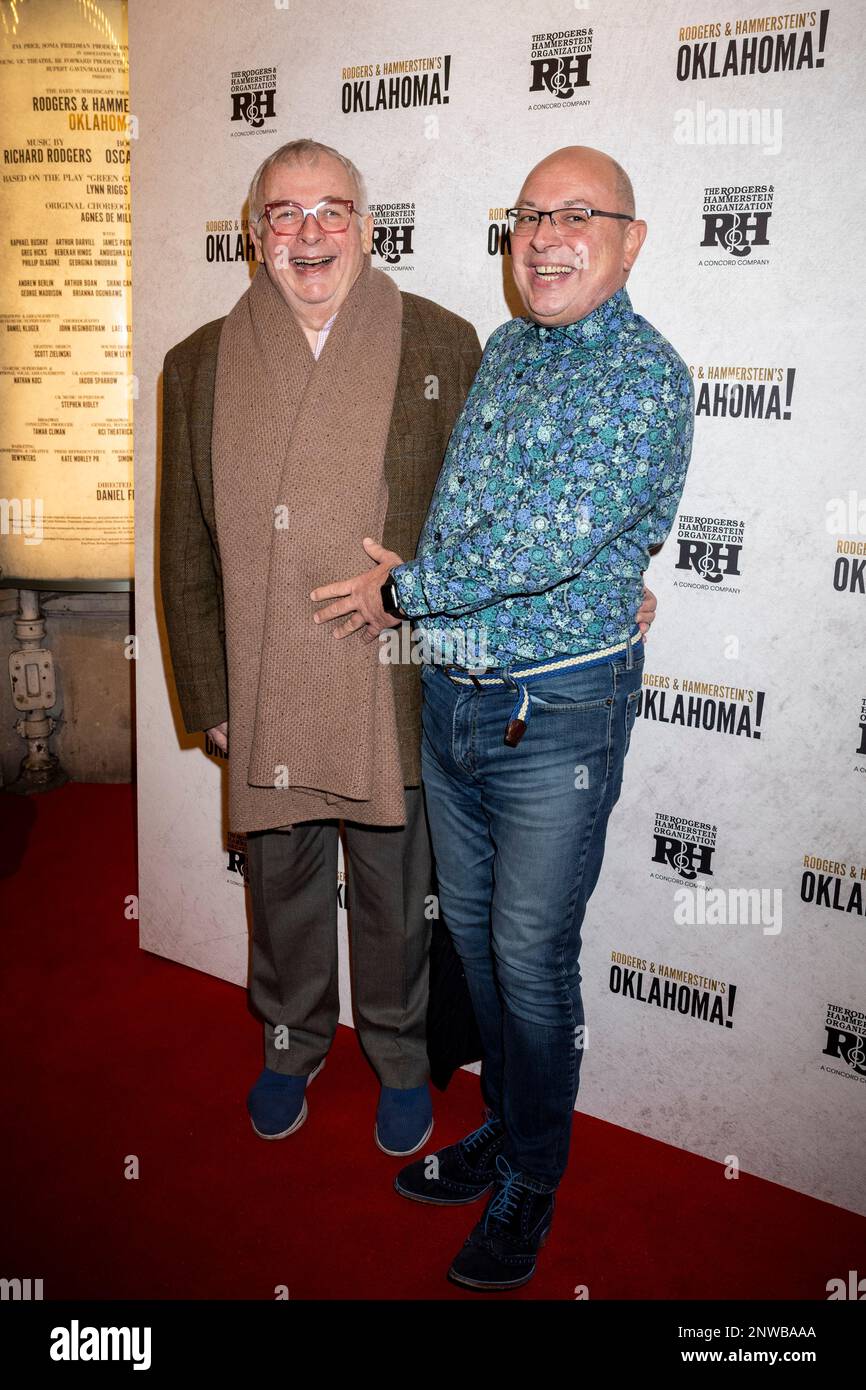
(404, 1120)
(277, 1103)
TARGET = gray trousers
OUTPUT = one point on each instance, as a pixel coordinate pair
(294, 983)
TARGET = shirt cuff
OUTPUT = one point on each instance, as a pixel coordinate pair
(410, 594)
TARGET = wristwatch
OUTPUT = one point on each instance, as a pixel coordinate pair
(390, 599)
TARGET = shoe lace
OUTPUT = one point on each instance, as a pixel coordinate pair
(505, 1202)
(482, 1134)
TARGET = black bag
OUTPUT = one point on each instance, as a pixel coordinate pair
(452, 1033)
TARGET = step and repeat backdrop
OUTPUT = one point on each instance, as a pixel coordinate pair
(724, 947)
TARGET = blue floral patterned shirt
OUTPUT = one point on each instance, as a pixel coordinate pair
(566, 464)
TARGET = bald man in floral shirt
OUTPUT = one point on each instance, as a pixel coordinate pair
(565, 468)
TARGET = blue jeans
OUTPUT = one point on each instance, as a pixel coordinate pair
(518, 836)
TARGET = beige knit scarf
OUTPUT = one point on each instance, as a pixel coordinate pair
(298, 449)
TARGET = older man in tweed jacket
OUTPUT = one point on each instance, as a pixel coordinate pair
(318, 411)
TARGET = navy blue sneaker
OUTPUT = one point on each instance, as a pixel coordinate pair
(501, 1251)
(461, 1173)
(277, 1103)
(404, 1120)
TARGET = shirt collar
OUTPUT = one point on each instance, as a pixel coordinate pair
(595, 329)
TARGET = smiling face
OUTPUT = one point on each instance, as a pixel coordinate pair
(562, 275)
(314, 270)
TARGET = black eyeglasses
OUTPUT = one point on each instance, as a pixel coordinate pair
(523, 221)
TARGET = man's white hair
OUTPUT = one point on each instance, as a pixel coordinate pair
(302, 152)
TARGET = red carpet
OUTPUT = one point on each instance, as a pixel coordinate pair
(110, 1052)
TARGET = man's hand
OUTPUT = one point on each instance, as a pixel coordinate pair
(220, 735)
(359, 598)
(645, 615)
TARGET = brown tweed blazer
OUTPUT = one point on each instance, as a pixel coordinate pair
(435, 344)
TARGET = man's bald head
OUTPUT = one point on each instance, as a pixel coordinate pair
(563, 272)
(624, 190)
(582, 161)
